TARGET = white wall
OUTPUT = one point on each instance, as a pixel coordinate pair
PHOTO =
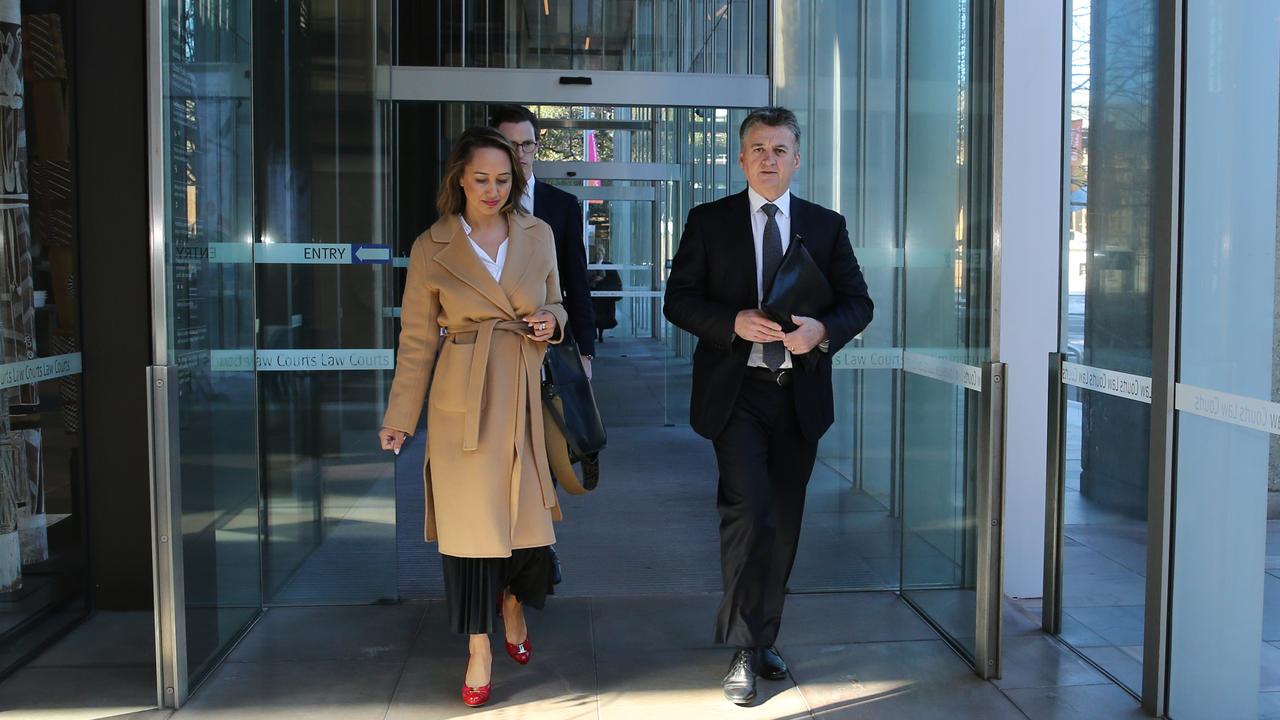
(1031, 222)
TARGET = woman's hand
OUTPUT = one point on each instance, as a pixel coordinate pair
(392, 439)
(542, 325)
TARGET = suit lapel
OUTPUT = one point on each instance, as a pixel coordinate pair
(799, 213)
(460, 259)
(742, 245)
(541, 202)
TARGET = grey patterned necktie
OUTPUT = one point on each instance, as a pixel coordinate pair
(771, 259)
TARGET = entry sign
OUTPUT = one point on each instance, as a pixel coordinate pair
(293, 254)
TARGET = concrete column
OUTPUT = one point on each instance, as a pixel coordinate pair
(1030, 223)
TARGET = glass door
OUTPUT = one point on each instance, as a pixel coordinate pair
(952, 393)
(204, 388)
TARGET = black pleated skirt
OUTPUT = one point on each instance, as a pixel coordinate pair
(471, 586)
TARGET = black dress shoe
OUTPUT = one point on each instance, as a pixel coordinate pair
(555, 567)
(740, 682)
(772, 666)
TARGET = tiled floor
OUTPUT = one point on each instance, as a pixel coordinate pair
(860, 655)
(629, 634)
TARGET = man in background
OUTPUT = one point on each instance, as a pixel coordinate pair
(562, 212)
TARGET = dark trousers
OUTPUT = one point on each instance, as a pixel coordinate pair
(765, 463)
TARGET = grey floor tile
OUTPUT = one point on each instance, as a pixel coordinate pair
(1117, 625)
(1269, 706)
(1270, 675)
(922, 679)
(1080, 590)
(106, 638)
(1080, 702)
(55, 693)
(1079, 560)
(651, 527)
(838, 618)
(1118, 663)
(1123, 542)
(1079, 635)
(887, 571)
(815, 572)
(1040, 661)
(352, 689)
(685, 684)
(1271, 608)
(626, 625)
(1020, 619)
(550, 687)
(372, 632)
(954, 610)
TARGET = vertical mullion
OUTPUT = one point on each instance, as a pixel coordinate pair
(1164, 348)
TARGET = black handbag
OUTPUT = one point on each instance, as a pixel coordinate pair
(799, 288)
(569, 402)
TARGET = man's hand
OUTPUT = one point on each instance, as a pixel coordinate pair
(586, 365)
(805, 337)
(756, 327)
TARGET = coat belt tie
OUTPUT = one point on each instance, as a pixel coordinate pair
(531, 355)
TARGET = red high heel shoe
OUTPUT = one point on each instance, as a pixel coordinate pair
(521, 652)
(475, 697)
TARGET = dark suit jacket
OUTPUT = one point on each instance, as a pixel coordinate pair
(713, 277)
(561, 211)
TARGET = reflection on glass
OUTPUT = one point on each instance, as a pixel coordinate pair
(43, 554)
(1225, 630)
(328, 487)
(846, 96)
(645, 35)
(1107, 323)
(946, 314)
(208, 165)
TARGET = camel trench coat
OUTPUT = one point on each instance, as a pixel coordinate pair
(488, 482)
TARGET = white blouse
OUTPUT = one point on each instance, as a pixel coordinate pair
(493, 265)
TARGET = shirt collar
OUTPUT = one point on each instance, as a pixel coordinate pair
(757, 201)
(465, 227)
(528, 186)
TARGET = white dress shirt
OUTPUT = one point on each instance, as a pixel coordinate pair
(526, 200)
(493, 265)
(758, 220)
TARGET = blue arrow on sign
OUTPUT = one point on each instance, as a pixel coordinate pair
(370, 254)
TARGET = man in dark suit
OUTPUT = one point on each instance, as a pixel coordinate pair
(562, 212)
(763, 414)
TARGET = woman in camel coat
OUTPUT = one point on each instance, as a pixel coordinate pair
(481, 301)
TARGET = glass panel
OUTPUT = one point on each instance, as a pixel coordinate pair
(840, 73)
(947, 237)
(43, 553)
(1106, 324)
(645, 35)
(324, 341)
(1226, 592)
(208, 166)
